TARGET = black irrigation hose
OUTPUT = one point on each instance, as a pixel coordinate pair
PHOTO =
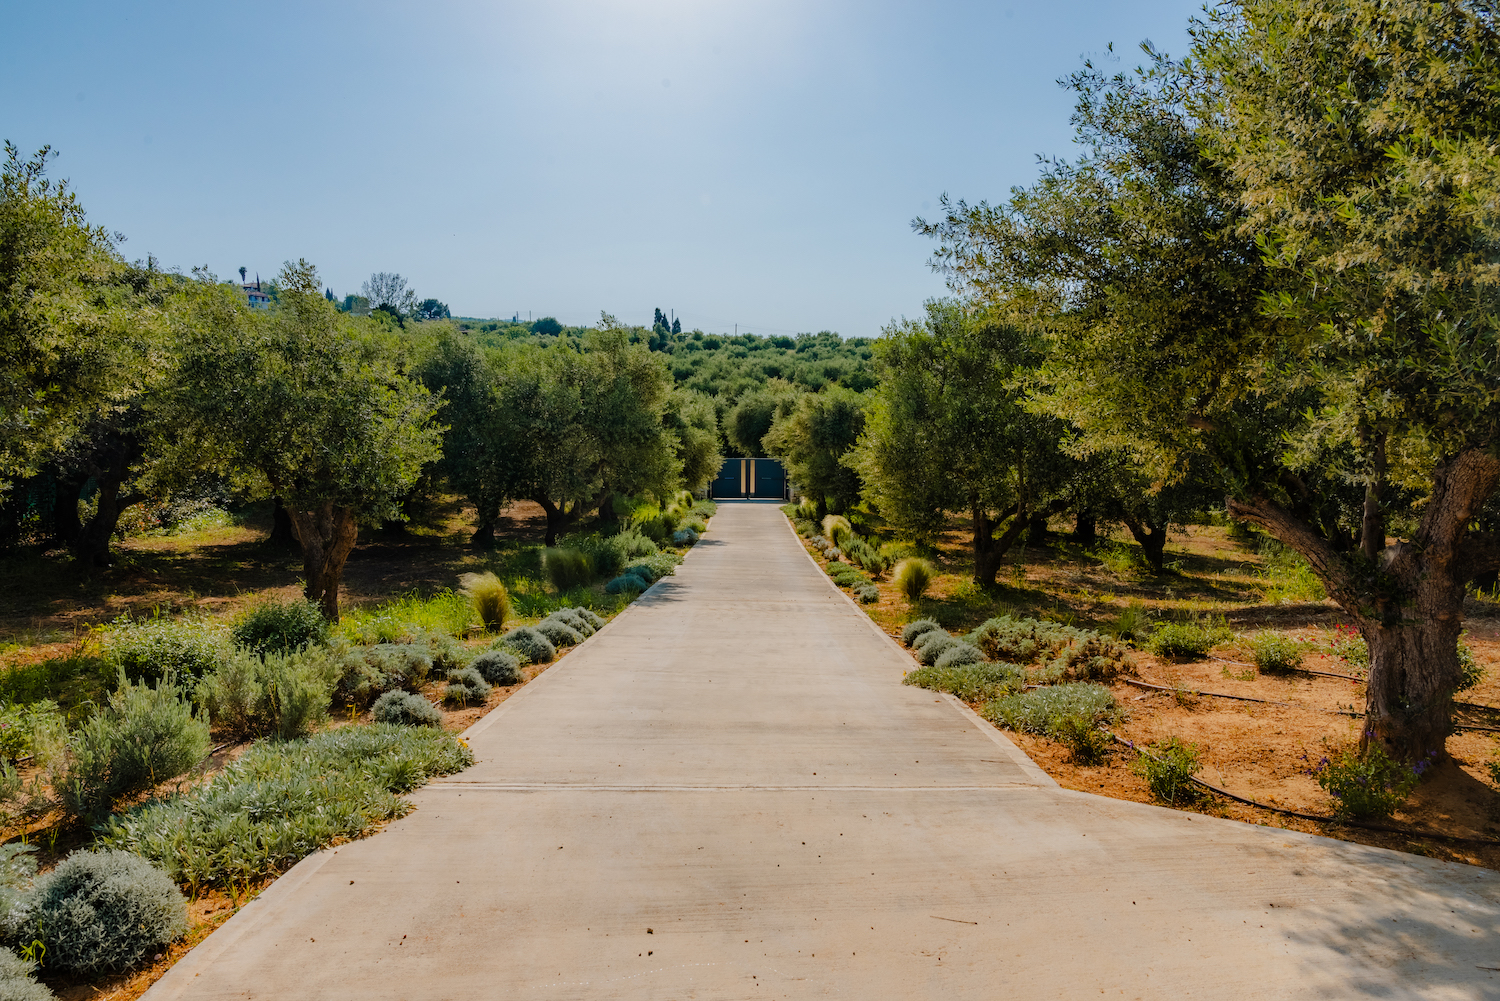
(1299, 670)
(1242, 698)
(1307, 816)
(1474, 727)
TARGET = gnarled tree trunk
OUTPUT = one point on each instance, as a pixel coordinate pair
(1086, 529)
(327, 533)
(109, 465)
(282, 533)
(1152, 538)
(1408, 602)
(988, 550)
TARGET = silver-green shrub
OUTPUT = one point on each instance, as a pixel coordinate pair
(589, 616)
(970, 682)
(151, 648)
(102, 911)
(466, 686)
(569, 615)
(867, 594)
(280, 802)
(281, 627)
(1039, 710)
(558, 632)
(530, 644)
(280, 695)
(1061, 651)
(447, 653)
(912, 630)
(144, 736)
(684, 537)
(930, 649)
(15, 979)
(626, 584)
(400, 708)
(959, 654)
(498, 667)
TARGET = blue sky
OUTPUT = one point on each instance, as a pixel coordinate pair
(755, 163)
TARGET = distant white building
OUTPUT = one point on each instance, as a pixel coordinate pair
(256, 297)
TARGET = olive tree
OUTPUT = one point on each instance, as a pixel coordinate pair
(812, 439)
(312, 399)
(947, 430)
(1279, 256)
(75, 341)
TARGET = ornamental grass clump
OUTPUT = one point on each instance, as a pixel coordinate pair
(101, 911)
(913, 576)
(912, 630)
(1040, 709)
(530, 644)
(466, 687)
(567, 568)
(1367, 786)
(836, 527)
(151, 648)
(400, 708)
(498, 667)
(282, 801)
(867, 556)
(1276, 654)
(490, 599)
(1168, 767)
(281, 627)
(144, 736)
(970, 682)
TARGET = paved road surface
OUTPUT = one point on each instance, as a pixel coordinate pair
(727, 793)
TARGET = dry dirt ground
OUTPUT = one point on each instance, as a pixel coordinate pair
(1257, 750)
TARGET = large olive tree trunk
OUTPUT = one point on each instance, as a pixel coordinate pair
(1408, 601)
(327, 534)
(1152, 537)
(109, 464)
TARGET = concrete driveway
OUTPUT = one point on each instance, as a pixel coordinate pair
(728, 793)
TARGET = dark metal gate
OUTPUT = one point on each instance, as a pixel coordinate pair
(759, 479)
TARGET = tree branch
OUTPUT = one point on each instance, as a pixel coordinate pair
(1338, 577)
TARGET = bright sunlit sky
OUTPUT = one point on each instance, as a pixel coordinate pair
(739, 162)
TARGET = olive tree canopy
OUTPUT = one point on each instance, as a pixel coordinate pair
(316, 402)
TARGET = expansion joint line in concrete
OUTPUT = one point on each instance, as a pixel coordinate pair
(654, 787)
